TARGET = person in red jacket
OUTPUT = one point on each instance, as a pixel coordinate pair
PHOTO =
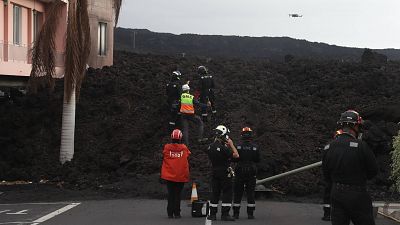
(175, 170)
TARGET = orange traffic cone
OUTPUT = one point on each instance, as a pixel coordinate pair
(194, 193)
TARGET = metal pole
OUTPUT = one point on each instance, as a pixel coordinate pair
(290, 172)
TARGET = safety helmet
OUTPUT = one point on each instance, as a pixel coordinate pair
(246, 132)
(176, 74)
(185, 87)
(221, 130)
(176, 134)
(350, 117)
(202, 70)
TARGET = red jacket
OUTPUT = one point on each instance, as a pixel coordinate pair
(175, 166)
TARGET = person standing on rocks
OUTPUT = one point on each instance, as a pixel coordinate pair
(347, 164)
(220, 153)
(188, 114)
(206, 88)
(246, 171)
(175, 170)
(174, 91)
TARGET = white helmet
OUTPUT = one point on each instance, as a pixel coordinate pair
(185, 87)
(221, 130)
(177, 74)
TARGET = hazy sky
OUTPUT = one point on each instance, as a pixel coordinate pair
(355, 23)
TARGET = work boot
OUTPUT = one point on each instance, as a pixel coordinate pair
(227, 218)
(250, 211)
(178, 216)
(327, 214)
(236, 211)
(212, 217)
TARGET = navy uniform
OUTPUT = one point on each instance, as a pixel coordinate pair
(173, 91)
(207, 86)
(220, 153)
(246, 171)
(348, 163)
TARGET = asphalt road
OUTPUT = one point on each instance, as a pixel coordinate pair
(146, 212)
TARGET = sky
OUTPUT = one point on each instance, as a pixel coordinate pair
(352, 23)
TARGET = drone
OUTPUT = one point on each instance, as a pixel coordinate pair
(295, 15)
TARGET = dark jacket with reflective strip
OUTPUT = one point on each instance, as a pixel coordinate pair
(173, 91)
(347, 160)
(206, 83)
(249, 154)
(220, 155)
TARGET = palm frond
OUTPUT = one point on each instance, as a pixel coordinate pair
(43, 51)
(117, 8)
(78, 46)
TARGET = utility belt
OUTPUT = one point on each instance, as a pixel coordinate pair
(224, 171)
(246, 168)
(349, 187)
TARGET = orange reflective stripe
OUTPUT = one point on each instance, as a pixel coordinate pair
(187, 108)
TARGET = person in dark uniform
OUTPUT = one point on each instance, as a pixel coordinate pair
(174, 91)
(246, 171)
(220, 153)
(206, 88)
(348, 163)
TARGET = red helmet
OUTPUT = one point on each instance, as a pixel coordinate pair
(176, 134)
(246, 132)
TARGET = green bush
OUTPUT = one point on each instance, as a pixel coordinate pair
(396, 161)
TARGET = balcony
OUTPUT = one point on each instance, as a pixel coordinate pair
(15, 60)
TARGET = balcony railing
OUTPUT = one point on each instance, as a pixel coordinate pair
(22, 53)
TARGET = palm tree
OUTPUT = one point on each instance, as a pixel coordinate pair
(396, 161)
(77, 54)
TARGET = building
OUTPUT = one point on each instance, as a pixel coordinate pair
(20, 24)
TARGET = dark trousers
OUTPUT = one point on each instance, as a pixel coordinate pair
(186, 118)
(206, 96)
(174, 114)
(221, 184)
(174, 198)
(351, 205)
(326, 201)
(245, 180)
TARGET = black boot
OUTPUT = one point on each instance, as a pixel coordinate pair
(236, 211)
(213, 213)
(227, 218)
(327, 214)
(250, 213)
(212, 217)
(225, 214)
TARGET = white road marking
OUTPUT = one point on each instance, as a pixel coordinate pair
(16, 223)
(55, 213)
(22, 212)
(40, 203)
(7, 210)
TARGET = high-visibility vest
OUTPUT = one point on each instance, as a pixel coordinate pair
(187, 103)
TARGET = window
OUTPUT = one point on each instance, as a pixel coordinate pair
(17, 26)
(102, 39)
(37, 23)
